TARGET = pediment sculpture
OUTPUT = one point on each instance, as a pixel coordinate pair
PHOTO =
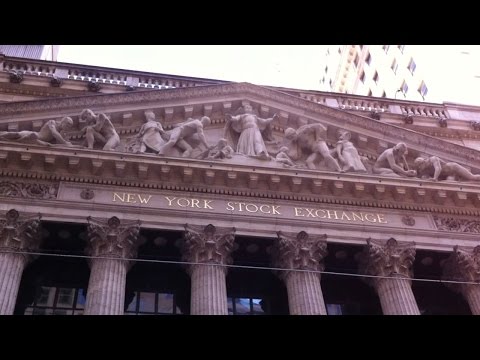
(246, 138)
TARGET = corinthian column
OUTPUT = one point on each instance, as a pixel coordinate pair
(392, 263)
(464, 265)
(16, 235)
(303, 257)
(111, 245)
(208, 249)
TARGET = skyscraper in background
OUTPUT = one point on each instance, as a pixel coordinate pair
(40, 52)
(374, 70)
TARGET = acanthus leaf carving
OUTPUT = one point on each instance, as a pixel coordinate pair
(112, 238)
(300, 252)
(28, 190)
(19, 233)
(463, 265)
(456, 224)
(208, 244)
(390, 259)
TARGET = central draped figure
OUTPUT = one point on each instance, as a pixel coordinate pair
(247, 132)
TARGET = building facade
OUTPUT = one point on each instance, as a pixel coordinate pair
(127, 192)
(374, 70)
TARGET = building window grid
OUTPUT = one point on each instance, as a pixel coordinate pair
(60, 305)
(137, 307)
(255, 307)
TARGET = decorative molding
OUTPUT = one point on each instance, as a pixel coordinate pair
(208, 245)
(457, 225)
(28, 190)
(87, 194)
(408, 220)
(19, 233)
(382, 129)
(300, 252)
(391, 259)
(112, 238)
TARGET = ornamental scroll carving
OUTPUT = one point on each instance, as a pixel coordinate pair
(27, 190)
(457, 225)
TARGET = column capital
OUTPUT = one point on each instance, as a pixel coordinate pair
(387, 259)
(112, 238)
(300, 252)
(19, 232)
(462, 265)
(208, 244)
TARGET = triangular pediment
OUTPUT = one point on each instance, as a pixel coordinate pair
(173, 106)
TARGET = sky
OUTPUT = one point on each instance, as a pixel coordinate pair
(453, 71)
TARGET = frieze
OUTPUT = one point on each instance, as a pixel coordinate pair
(395, 132)
(457, 225)
(28, 190)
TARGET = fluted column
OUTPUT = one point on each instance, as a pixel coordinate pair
(464, 266)
(301, 255)
(16, 235)
(392, 263)
(208, 249)
(111, 243)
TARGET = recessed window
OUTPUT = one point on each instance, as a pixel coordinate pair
(326, 69)
(412, 66)
(404, 87)
(149, 303)
(375, 77)
(362, 77)
(384, 94)
(57, 301)
(394, 66)
(369, 92)
(356, 60)
(422, 89)
(368, 59)
(401, 48)
(385, 48)
(246, 306)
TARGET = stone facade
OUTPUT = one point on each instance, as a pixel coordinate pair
(235, 161)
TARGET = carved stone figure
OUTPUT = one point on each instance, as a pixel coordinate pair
(182, 135)
(50, 132)
(220, 151)
(348, 154)
(247, 132)
(392, 162)
(310, 139)
(283, 158)
(434, 167)
(99, 129)
(151, 136)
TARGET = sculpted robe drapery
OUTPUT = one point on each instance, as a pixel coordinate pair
(246, 133)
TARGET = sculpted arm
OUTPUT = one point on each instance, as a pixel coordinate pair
(57, 135)
(437, 165)
(395, 167)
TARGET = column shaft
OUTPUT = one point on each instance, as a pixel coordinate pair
(209, 292)
(305, 294)
(11, 269)
(472, 295)
(396, 297)
(106, 287)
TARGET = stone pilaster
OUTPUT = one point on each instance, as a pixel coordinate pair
(391, 264)
(303, 257)
(17, 235)
(208, 250)
(111, 244)
(464, 266)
